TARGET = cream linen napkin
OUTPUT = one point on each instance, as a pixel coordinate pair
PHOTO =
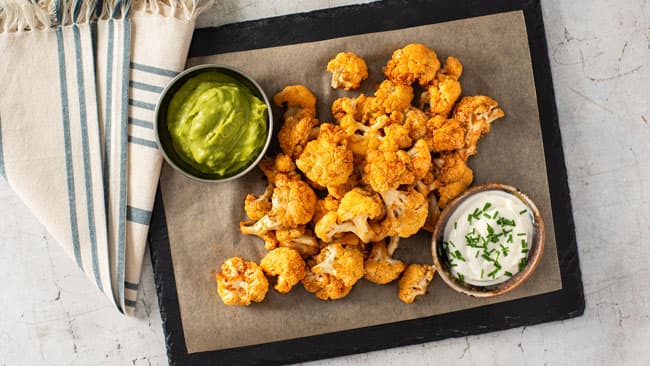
(80, 80)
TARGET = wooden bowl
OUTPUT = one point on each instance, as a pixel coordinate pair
(535, 250)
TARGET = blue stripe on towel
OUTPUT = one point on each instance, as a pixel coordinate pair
(140, 104)
(145, 87)
(153, 70)
(141, 123)
(108, 123)
(65, 119)
(138, 215)
(143, 142)
(124, 129)
(85, 144)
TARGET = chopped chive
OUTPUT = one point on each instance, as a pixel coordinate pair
(455, 224)
(493, 273)
(521, 234)
(460, 276)
(486, 215)
(510, 238)
(522, 264)
(487, 205)
(452, 244)
(508, 274)
(523, 211)
(524, 250)
(495, 215)
(477, 252)
(481, 272)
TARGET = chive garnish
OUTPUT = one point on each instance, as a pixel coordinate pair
(522, 264)
(455, 224)
(460, 276)
(521, 234)
(481, 272)
(508, 274)
(523, 211)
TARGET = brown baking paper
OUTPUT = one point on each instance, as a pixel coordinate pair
(203, 219)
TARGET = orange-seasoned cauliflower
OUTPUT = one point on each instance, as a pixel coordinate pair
(348, 71)
(406, 212)
(296, 98)
(325, 286)
(441, 96)
(258, 207)
(300, 239)
(293, 203)
(299, 119)
(389, 97)
(241, 282)
(356, 208)
(420, 159)
(380, 268)
(416, 120)
(327, 160)
(287, 264)
(414, 62)
(454, 177)
(280, 164)
(325, 205)
(445, 134)
(414, 282)
(352, 106)
(477, 114)
(343, 263)
(443, 92)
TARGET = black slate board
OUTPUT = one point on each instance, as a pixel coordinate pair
(375, 17)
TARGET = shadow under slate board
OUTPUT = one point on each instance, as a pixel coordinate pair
(383, 16)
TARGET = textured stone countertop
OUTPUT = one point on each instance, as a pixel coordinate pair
(600, 58)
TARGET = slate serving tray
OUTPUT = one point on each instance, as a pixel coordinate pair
(375, 17)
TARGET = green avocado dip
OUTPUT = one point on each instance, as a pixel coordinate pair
(216, 124)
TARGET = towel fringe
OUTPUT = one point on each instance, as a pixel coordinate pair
(186, 10)
(25, 15)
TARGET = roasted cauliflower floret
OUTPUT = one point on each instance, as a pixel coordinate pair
(295, 133)
(281, 164)
(300, 239)
(258, 207)
(348, 71)
(325, 286)
(351, 106)
(325, 205)
(406, 212)
(446, 134)
(385, 170)
(241, 282)
(414, 62)
(420, 162)
(293, 203)
(416, 120)
(343, 263)
(477, 114)
(356, 208)
(414, 282)
(296, 98)
(441, 96)
(389, 97)
(287, 264)
(452, 68)
(380, 268)
(327, 161)
(454, 177)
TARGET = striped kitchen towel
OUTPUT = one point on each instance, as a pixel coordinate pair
(80, 79)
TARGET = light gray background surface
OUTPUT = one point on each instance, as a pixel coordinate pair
(600, 58)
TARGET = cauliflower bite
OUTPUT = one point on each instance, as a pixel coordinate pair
(323, 206)
(325, 286)
(380, 268)
(420, 159)
(477, 114)
(452, 68)
(292, 204)
(454, 177)
(241, 282)
(414, 282)
(258, 207)
(346, 264)
(299, 121)
(299, 239)
(445, 134)
(441, 96)
(327, 161)
(415, 62)
(287, 264)
(282, 164)
(352, 106)
(389, 97)
(355, 210)
(406, 212)
(348, 71)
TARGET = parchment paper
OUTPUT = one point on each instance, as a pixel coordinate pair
(203, 219)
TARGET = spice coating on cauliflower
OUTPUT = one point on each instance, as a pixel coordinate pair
(241, 282)
(327, 161)
(348, 71)
(477, 114)
(414, 282)
(287, 264)
(325, 286)
(414, 62)
(406, 212)
(343, 263)
(380, 268)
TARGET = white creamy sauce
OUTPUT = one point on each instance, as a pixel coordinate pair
(487, 238)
